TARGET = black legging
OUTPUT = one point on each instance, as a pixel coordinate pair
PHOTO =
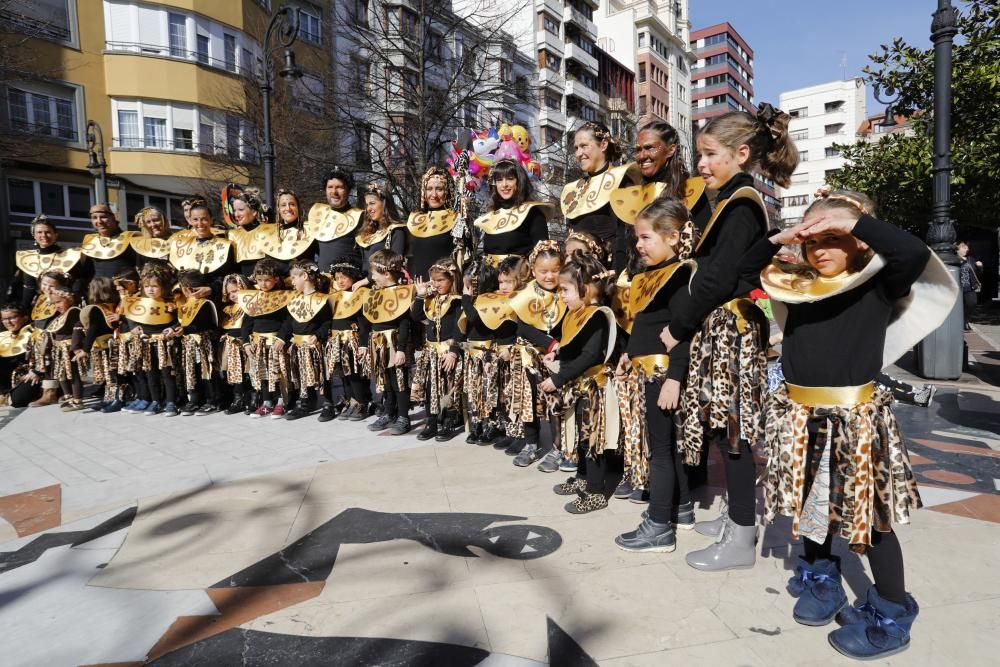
(741, 481)
(668, 483)
(203, 389)
(161, 383)
(885, 557)
(592, 469)
(396, 399)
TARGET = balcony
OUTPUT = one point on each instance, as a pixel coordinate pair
(577, 88)
(554, 7)
(547, 40)
(551, 118)
(135, 76)
(577, 53)
(575, 17)
(547, 77)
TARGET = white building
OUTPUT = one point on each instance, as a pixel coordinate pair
(822, 116)
(654, 37)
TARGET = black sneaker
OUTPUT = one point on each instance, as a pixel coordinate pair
(298, 412)
(527, 456)
(400, 427)
(489, 435)
(515, 447)
(206, 409)
(380, 424)
(648, 537)
(639, 497)
(189, 409)
(236, 406)
(428, 432)
(360, 414)
(683, 516)
(328, 413)
(503, 443)
(624, 489)
(348, 412)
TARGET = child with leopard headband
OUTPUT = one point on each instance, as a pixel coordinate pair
(344, 361)
(306, 330)
(232, 365)
(264, 313)
(153, 349)
(836, 462)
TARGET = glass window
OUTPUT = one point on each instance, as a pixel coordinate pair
(801, 112)
(183, 139)
(206, 137)
(361, 13)
(17, 104)
(45, 18)
(42, 113)
(246, 62)
(832, 152)
(128, 129)
(53, 202)
(230, 52)
(155, 132)
(309, 28)
(203, 49)
(133, 204)
(158, 202)
(79, 201)
(177, 29)
(22, 196)
(232, 137)
(65, 120)
(803, 156)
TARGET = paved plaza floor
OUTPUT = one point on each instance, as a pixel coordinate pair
(226, 541)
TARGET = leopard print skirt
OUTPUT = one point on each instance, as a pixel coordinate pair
(197, 359)
(308, 367)
(268, 365)
(381, 349)
(231, 359)
(726, 382)
(580, 411)
(481, 383)
(635, 437)
(342, 356)
(441, 390)
(851, 477)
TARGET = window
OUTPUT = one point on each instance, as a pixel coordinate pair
(550, 25)
(682, 64)
(801, 177)
(49, 111)
(803, 156)
(553, 101)
(831, 107)
(642, 72)
(183, 139)
(155, 132)
(206, 139)
(830, 173)
(309, 93)
(408, 22)
(835, 128)
(246, 62)
(797, 200)
(202, 41)
(58, 200)
(233, 137)
(469, 115)
(362, 146)
(801, 112)
(229, 49)
(309, 27)
(48, 19)
(360, 13)
(177, 31)
(799, 135)
(128, 129)
(641, 39)
(435, 49)
(832, 152)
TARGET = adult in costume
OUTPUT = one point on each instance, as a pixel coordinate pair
(202, 250)
(431, 227)
(381, 229)
(334, 224)
(152, 243)
(48, 255)
(515, 223)
(287, 239)
(108, 249)
(248, 242)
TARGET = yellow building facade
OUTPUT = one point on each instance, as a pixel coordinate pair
(168, 84)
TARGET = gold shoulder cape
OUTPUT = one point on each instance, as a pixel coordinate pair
(43, 308)
(505, 220)
(388, 303)
(188, 309)
(304, 307)
(537, 307)
(144, 310)
(256, 303)
(249, 245)
(494, 309)
(646, 285)
(431, 223)
(232, 317)
(11, 345)
(284, 244)
(57, 323)
(435, 308)
(367, 241)
(187, 254)
(349, 303)
(35, 263)
(95, 246)
(575, 320)
(97, 310)
(147, 246)
(326, 224)
(745, 192)
(620, 304)
(588, 195)
(627, 202)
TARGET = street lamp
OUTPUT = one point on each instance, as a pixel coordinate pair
(940, 355)
(889, 119)
(284, 23)
(97, 165)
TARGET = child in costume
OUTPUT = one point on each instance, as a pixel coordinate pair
(344, 360)
(437, 378)
(513, 275)
(232, 365)
(199, 322)
(100, 322)
(307, 328)
(264, 314)
(16, 390)
(836, 461)
(578, 388)
(388, 327)
(654, 378)
(42, 312)
(154, 350)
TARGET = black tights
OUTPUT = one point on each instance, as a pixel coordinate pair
(668, 483)
(203, 389)
(161, 384)
(396, 399)
(885, 557)
(73, 387)
(593, 469)
(741, 481)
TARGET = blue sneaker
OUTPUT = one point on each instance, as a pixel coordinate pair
(153, 409)
(113, 406)
(170, 410)
(884, 630)
(138, 406)
(819, 591)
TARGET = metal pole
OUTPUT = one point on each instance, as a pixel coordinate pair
(265, 91)
(940, 356)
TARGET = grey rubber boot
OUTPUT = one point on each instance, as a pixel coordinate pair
(734, 550)
(713, 528)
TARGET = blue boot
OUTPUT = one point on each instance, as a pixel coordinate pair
(884, 630)
(819, 591)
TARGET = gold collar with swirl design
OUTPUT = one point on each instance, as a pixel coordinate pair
(431, 223)
(327, 224)
(304, 307)
(144, 310)
(587, 195)
(504, 220)
(256, 303)
(628, 202)
(96, 246)
(14, 344)
(387, 303)
(538, 307)
(35, 263)
(187, 253)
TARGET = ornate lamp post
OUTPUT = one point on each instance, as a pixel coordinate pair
(285, 26)
(97, 165)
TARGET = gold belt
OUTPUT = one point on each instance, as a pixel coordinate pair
(830, 397)
(269, 337)
(597, 372)
(440, 348)
(737, 307)
(304, 339)
(651, 364)
(102, 342)
(196, 337)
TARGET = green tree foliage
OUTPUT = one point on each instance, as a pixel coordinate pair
(897, 169)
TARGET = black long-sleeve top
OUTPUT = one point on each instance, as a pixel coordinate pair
(718, 278)
(505, 334)
(341, 248)
(397, 244)
(263, 324)
(658, 313)
(426, 250)
(449, 330)
(838, 341)
(587, 349)
(79, 273)
(520, 241)
(204, 322)
(319, 325)
(96, 326)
